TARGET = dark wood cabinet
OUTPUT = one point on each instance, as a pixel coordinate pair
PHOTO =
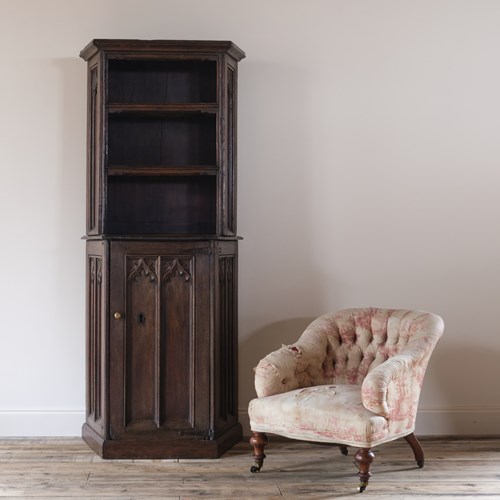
(161, 249)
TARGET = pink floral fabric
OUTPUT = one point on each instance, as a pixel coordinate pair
(376, 359)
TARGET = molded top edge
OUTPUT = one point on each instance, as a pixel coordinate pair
(161, 237)
(165, 46)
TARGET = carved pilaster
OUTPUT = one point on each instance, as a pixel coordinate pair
(94, 339)
(92, 270)
(99, 271)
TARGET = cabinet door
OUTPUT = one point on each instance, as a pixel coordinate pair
(159, 339)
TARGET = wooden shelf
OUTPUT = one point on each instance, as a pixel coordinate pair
(161, 170)
(163, 109)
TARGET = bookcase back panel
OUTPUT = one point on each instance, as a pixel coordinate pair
(163, 205)
(173, 140)
(162, 82)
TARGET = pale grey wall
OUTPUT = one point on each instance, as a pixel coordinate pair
(368, 175)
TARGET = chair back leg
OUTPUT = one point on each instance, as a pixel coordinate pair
(417, 449)
(343, 449)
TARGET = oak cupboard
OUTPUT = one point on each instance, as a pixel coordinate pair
(162, 249)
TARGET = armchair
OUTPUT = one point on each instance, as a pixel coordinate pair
(353, 378)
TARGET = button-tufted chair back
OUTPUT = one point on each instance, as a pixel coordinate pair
(358, 340)
(344, 346)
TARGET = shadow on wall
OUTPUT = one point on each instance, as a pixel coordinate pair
(71, 211)
(73, 108)
(277, 274)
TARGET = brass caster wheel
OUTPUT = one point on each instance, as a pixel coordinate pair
(420, 464)
(361, 488)
(254, 469)
(344, 450)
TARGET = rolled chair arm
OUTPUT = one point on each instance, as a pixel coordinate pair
(294, 366)
(281, 371)
(392, 389)
(385, 386)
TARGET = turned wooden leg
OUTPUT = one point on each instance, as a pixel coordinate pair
(343, 449)
(364, 457)
(258, 440)
(417, 449)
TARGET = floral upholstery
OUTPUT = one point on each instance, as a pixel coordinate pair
(353, 378)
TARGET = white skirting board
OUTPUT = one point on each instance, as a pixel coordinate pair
(430, 422)
(473, 421)
(32, 423)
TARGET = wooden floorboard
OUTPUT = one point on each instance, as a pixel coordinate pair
(63, 468)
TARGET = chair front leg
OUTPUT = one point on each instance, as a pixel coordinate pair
(258, 440)
(364, 457)
(417, 449)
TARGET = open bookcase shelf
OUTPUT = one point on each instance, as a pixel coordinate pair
(161, 147)
(160, 82)
(170, 204)
(152, 140)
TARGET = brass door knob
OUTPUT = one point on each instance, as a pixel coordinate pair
(117, 315)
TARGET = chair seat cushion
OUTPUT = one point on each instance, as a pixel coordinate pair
(326, 413)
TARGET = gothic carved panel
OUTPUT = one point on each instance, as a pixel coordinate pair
(159, 342)
(93, 155)
(227, 346)
(229, 191)
(94, 339)
(141, 342)
(177, 342)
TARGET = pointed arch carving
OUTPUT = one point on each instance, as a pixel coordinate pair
(95, 270)
(143, 267)
(99, 271)
(226, 269)
(177, 267)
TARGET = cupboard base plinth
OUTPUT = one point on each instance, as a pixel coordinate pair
(182, 448)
